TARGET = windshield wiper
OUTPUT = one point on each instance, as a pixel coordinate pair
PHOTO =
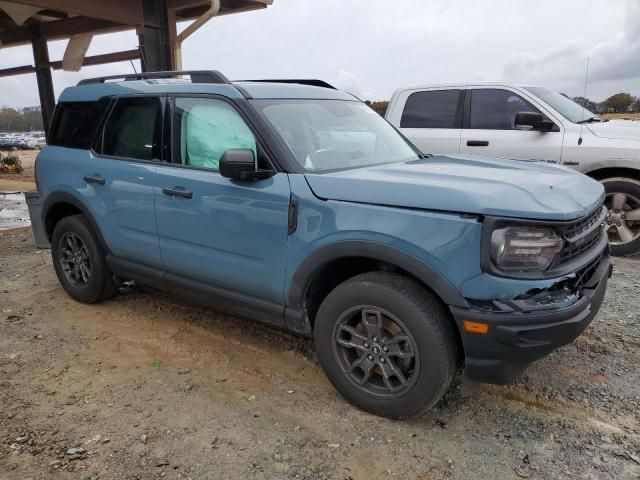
(590, 120)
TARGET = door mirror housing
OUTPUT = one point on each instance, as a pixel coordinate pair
(533, 121)
(240, 164)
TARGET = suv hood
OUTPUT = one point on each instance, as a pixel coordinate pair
(616, 129)
(467, 184)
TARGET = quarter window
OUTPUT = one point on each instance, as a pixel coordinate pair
(75, 123)
(431, 109)
(134, 129)
(204, 128)
(495, 109)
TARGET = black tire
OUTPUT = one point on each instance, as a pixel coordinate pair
(631, 189)
(422, 318)
(98, 284)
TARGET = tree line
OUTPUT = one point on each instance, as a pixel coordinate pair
(618, 103)
(21, 120)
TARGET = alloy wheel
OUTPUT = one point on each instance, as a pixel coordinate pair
(623, 218)
(74, 258)
(376, 351)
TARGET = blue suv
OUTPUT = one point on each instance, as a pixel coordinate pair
(292, 203)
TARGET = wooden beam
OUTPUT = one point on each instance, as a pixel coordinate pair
(88, 61)
(120, 11)
(45, 82)
(59, 29)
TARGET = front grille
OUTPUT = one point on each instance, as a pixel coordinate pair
(582, 235)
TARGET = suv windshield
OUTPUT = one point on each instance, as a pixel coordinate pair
(565, 106)
(335, 134)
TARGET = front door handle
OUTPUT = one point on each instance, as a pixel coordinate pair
(477, 143)
(97, 179)
(177, 192)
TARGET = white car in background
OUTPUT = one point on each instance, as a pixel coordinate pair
(530, 123)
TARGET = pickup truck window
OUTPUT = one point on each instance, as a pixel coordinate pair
(495, 109)
(335, 134)
(431, 109)
(204, 129)
(133, 129)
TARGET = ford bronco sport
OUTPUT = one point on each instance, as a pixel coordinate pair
(295, 204)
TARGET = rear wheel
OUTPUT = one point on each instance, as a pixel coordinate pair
(386, 344)
(79, 261)
(623, 219)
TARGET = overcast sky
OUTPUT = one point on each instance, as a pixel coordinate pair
(371, 47)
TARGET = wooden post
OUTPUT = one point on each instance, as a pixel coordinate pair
(45, 82)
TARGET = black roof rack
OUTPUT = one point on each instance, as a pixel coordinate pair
(301, 81)
(197, 76)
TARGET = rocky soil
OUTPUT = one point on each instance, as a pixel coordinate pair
(147, 386)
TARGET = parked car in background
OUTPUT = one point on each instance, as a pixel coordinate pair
(299, 206)
(530, 123)
(22, 141)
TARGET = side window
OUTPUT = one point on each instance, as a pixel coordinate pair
(431, 109)
(495, 109)
(75, 123)
(134, 129)
(204, 128)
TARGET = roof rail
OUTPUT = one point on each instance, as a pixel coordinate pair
(197, 76)
(311, 81)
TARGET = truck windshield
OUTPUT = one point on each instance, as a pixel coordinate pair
(563, 105)
(335, 134)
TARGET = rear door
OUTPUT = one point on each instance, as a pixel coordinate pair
(489, 127)
(227, 234)
(430, 118)
(119, 178)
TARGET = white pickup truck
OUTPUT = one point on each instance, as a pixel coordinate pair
(530, 123)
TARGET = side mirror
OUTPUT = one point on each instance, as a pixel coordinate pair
(240, 164)
(532, 121)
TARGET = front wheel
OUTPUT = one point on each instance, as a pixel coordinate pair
(386, 344)
(623, 219)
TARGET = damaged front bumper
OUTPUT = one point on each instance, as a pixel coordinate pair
(528, 328)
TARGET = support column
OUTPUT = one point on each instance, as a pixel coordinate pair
(45, 82)
(156, 54)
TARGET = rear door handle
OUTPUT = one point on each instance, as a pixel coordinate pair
(177, 192)
(97, 179)
(477, 143)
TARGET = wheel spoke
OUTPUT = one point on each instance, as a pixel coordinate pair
(372, 321)
(619, 201)
(625, 233)
(355, 339)
(633, 215)
(365, 365)
(389, 371)
(396, 347)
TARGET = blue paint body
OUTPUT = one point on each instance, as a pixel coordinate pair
(233, 235)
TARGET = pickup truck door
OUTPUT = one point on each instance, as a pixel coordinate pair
(430, 118)
(222, 234)
(489, 128)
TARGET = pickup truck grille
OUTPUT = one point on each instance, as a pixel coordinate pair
(582, 235)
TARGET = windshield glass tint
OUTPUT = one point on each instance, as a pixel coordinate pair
(335, 134)
(565, 106)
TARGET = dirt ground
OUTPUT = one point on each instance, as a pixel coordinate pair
(20, 182)
(146, 386)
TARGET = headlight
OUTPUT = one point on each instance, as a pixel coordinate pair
(524, 248)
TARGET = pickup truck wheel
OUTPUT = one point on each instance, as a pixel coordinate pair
(623, 220)
(79, 261)
(386, 344)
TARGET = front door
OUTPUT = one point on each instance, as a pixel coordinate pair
(489, 128)
(227, 234)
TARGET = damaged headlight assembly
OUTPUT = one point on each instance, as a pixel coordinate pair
(524, 248)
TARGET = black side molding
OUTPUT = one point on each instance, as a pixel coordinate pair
(293, 215)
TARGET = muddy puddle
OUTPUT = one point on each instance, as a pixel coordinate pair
(13, 211)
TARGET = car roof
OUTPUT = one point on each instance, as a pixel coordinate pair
(234, 90)
(466, 85)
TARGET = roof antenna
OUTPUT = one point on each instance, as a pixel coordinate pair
(584, 110)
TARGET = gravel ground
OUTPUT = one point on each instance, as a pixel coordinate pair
(146, 386)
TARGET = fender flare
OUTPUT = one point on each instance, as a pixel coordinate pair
(306, 271)
(65, 197)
